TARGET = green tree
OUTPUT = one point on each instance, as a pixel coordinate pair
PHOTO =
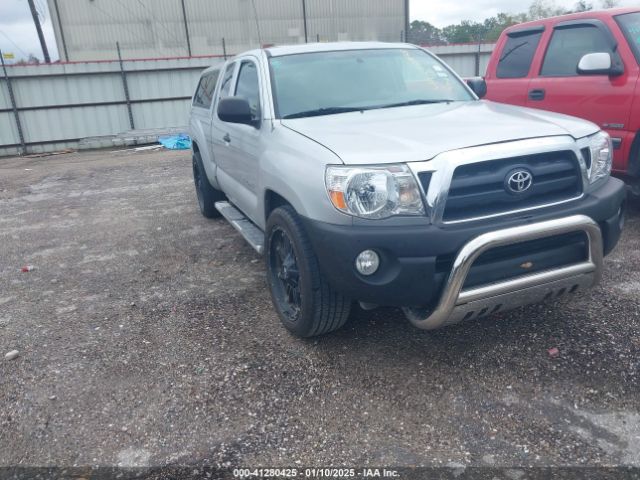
(495, 25)
(423, 33)
(544, 9)
(582, 6)
(489, 30)
(609, 3)
(465, 32)
(31, 60)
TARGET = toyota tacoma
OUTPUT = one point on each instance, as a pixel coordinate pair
(371, 173)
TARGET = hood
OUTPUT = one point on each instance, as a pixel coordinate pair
(418, 133)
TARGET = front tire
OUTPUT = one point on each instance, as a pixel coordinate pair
(306, 304)
(207, 195)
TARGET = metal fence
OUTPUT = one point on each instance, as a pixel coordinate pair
(52, 107)
(468, 60)
(45, 108)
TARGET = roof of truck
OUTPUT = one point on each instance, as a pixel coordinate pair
(279, 51)
(331, 47)
(592, 14)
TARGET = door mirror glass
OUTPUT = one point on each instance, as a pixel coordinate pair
(235, 110)
(478, 85)
(595, 63)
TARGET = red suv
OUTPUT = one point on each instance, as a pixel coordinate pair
(585, 65)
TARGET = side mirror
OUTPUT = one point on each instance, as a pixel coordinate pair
(235, 110)
(478, 85)
(598, 64)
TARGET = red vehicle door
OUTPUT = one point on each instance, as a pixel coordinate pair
(508, 74)
(603, 99)
(629, 23)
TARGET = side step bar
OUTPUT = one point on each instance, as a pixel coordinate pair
(252, 234)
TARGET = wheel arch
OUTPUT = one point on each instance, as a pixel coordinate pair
(633, 167)
(273, 200)
(209, 167)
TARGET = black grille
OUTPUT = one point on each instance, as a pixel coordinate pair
(479, 189)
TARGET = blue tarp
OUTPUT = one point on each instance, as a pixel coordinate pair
(176, 142)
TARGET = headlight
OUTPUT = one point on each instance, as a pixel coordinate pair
(601, 150)
(374, 192)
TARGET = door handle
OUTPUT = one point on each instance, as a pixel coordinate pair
(227, 138)
(537, 94)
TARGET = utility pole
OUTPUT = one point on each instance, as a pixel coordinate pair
(14, 106)
(304, 20)
(43, 43)
(407, 22)
(186, 27)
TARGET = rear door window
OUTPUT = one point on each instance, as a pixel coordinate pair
(568, 45)
(630, 25)
(204, 94)
(517, 54)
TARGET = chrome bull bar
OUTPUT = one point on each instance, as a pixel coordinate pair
(457, 304)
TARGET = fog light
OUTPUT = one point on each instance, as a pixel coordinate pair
(367, 262)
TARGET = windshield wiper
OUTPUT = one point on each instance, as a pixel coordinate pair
(333, 110)
(318, 112)
(414, 102)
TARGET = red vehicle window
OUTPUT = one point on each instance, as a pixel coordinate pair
(630, 25)
(569, 45)
(517, 54)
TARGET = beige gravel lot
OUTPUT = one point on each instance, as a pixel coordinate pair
(147, 337)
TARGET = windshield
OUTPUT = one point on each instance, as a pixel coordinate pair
(630, 24)
(325, 83)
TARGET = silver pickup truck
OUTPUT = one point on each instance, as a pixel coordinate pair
(371, 173)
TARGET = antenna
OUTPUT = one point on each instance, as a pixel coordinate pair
(255, 14)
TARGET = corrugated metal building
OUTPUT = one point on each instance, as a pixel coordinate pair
(89, 29)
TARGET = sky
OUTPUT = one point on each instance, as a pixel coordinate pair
(441, 13)
(18, 34)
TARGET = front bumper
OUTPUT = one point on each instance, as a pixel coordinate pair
(458, 304)
(415, 272)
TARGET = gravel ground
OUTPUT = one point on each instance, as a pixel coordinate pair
(146, 336)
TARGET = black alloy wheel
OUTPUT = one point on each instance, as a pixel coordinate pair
(284, 266)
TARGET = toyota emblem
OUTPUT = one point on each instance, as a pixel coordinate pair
(518, 181)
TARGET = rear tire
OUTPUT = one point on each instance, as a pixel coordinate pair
(306, 304)
(207, 195)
